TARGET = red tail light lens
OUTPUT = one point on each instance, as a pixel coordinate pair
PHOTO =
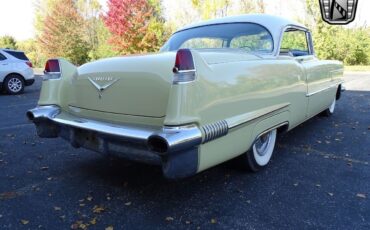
(52, 66)
(52, 70)
(29, 64)
(184, 60)
(184, 70)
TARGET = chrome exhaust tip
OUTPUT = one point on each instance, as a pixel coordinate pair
(42, 118)
(44, 112)
(173, 139)
(158, 144)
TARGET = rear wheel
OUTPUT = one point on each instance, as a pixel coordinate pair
(14, 84)
(329, 111)
(260, 154)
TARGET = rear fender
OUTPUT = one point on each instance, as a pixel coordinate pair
(52, 90)
(183, 97)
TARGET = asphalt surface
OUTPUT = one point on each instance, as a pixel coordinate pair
(319, 178)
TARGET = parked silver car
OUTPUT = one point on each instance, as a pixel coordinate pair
(15, 71)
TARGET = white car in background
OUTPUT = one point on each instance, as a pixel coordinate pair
(15, 71)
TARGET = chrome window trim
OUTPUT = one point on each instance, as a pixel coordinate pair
(277, 52)
(310, 43)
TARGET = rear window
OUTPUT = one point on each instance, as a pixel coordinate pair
(203, 43)
(19, 55)
(246, 36)
(2, 57)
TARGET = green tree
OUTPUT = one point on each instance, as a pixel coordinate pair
(179, 14)
(212, 8)
(90, 11)
(31, 50)
(103, 49)
(42, 7)
(252, 6)
(8, 42)
(352, 46)
(62, 33)
(209, 9)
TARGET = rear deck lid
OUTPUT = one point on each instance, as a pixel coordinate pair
(134, 85)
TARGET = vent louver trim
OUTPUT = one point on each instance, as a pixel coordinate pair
(215, 130)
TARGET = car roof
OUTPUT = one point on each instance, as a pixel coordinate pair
(271, 22)
(274, 24)
(6, 49)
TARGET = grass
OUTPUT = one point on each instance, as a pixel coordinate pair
(358, 68)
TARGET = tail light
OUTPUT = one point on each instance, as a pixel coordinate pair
(184, 70)
(52, 69)
(29, 64)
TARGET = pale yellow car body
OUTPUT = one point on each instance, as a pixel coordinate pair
(252, 93)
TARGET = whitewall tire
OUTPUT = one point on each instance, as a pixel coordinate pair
(330, 111)
(261, 152)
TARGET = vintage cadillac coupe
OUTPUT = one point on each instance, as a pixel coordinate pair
(217, 90)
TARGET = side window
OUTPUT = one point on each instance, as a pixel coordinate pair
(2, 57)
(254, 42)
(17, 54)
(294, 43)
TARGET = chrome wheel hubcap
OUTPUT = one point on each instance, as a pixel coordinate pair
(262, 143)
(263, 148)
(15, 85)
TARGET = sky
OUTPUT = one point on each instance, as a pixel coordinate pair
(16, 16)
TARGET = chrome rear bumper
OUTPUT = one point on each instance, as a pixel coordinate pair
(176, 148)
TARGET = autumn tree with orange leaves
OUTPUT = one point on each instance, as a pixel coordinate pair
(136, 25)
(62, 34)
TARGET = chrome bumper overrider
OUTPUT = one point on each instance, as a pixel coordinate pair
(169, 146)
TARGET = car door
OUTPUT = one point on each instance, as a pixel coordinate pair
(318, 80)
(4, 67)
(297, 43)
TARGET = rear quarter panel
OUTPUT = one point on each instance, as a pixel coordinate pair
(230, 90)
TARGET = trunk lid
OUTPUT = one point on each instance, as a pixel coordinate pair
(131, 85)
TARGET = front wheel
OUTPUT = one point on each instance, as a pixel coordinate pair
(260, 154)
(14, 84)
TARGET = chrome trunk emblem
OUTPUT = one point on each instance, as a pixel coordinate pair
(104, 87)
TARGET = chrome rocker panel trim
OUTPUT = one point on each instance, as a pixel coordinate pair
(324, 89)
